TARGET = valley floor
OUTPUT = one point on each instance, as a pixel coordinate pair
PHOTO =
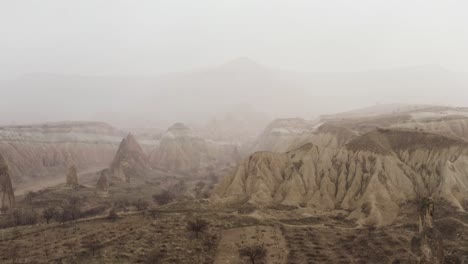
(144, 237)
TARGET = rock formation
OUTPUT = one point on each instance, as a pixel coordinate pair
(428, 243)
(129, 161)
(337, 130)
(182, 151)
(280, 133)
(371, 175)
(35, 152)
(102, 185)
(6, 189)
(72, 177)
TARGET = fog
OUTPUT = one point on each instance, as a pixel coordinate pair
(152, 63)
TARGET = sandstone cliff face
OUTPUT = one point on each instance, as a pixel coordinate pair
(129, 161)
(41, 151)
(7, 195)
(370, 176)
(181, 151)
(72, 177)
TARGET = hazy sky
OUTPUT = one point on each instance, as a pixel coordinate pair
(147, 37)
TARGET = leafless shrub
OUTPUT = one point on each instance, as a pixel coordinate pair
(112, 216)
(91, 243)
(141, 204)
(197, 226)
(163, 197)
(49, 213)
(256, 254)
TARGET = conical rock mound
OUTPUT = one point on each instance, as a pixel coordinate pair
(102, 185)
(130, 160)
(7, 195)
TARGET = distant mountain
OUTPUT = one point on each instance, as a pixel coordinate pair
(195, 96)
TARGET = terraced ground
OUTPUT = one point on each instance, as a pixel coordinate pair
(140, 237)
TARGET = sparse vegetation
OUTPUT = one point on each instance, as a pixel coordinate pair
(49, 213)
(163, 197)
(255, 254)
(112, 216)
(154, 257)
(141, 204)
(24, 217)
(14, 253)
(197, 226)
(91, 243)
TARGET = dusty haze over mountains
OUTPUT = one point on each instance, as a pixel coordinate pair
(162, 61)
(234, 132)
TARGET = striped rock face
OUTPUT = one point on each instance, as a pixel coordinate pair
(371, 176)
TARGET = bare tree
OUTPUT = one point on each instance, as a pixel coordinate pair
(49, 213)
(141, 204)
(154, 213)
(70, 245)
(254, 253)
(112, 215)
(197, 226)
(91, 243)
(163, 197)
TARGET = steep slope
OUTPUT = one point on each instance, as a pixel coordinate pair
(336, 130)
(286, 134)
(279, 134)
(45, 151)
(443, 120)
(182, 151)
(371, 176)
(7, 195)
(129, 161)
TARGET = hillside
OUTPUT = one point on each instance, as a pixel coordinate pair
(371, 176)
(181, 150)
(45, 151)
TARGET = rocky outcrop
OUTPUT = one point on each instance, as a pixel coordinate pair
(428, 243)
(129, 161)
(72, 177)
(7, 195)
(44, 151)
(280, 133)
(102, 185)
(337, 130)
(371, 175)
(180, 150)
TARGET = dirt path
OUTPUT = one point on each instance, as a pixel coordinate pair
(270, 237)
